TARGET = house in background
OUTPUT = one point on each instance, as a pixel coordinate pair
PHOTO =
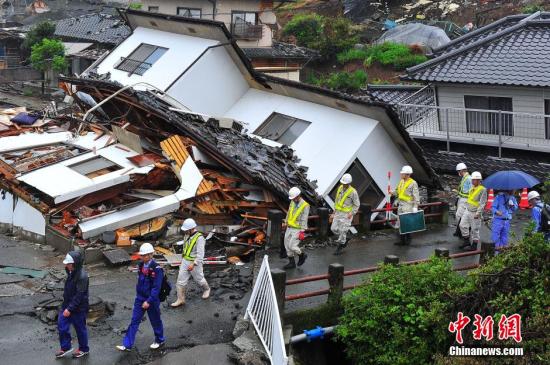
(10, 48)
(196, 63)
(252, 23)
(489, 87)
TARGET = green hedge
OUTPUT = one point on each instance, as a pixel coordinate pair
(344, 81)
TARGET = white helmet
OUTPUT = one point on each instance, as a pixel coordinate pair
(346, 179)
(146, 249)
(188, 224)
(68, 260)
(476, 175)
(461, 166)
(294, 192)
(406, 170)
(533, 195)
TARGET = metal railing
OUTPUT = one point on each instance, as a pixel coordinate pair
(132, 66)
(478, 126)
(263, 311)
(246, 30)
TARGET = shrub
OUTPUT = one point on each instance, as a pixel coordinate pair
(408, 61)
(307, 28)
(36, 35)
(50, 53)
(533, 8)
(344, 81)
(400, 316)
(135, 6)
(397, 55)
(351, 55)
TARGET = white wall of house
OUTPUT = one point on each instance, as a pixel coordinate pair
(182, 51)
(28, 218)
(212, 85)
(6, 209)
(524, 100)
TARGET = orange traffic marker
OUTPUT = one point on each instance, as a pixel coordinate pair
(490, 200)
(524, 203)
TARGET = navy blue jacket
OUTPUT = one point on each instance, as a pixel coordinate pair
(149, 282)
(75, 293)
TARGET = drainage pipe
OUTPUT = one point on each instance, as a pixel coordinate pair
(309, 335)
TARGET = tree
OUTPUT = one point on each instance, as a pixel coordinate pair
(36, 35)
(49, 54)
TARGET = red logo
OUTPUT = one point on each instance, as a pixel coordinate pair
(508, 327)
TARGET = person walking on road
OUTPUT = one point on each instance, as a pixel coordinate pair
(74, 308)
(148, 288)
(346, 205)
(192, 261)
(407, 198)
(296, 224)
(504, 206)
(462, 194)
(470, 223)
(540, 214)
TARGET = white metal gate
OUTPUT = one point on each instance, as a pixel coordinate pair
(263, 312)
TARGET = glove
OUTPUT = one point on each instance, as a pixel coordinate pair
(301, 236)
(415, 210)
(511, 202)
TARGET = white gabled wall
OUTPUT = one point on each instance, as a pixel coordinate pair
(182, 51)
(28, 218)
(327, 146)
(212, 86)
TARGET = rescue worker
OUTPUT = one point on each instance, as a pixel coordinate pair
(470, 223)
(192, 261)
(541, 220)
(148, 287)
(504, 206)
(74, 308)
(407, 198)
(346, 205)
(462, 194)
(296, 224)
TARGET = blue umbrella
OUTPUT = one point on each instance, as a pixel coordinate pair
(510, 180)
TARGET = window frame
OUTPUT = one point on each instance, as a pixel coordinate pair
(189, 9)
(153, 9)
(290, 122)
(488, 123)
(245, 13)
(122, 65)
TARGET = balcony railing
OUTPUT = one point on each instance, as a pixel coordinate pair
(477, 126)
(132, 66)
(246, 30)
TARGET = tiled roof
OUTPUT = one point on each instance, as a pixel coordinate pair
(476, 158)
(391, 94)
(98, 28)
(281, 50)
(509, 53)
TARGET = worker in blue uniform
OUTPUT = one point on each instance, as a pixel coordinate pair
(74, 307)
(147, 300)
(540, 214)
(503, 208)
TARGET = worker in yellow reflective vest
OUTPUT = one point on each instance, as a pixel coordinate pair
(346, 205)
(471, 219)
(462, 194)
(296, 224)
(407, 198)
(191, 263)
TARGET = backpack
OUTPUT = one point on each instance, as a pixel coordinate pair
(165, 287)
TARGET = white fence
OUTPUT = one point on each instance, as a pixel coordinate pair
(263, 312)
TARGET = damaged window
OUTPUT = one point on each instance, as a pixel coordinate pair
(487, 122)
(190, 12)
(95, 167)
(369, 192)
(282, 128)
(141, 59)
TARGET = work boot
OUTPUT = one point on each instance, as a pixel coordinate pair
(206, 290)
(78, 354)
(466, 242)
(302, 258)
(339, 249)
(291, 264)
(472, 247)
(180, 290)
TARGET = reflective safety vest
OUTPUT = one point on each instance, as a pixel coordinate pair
(474, 192)
(402, 188)
(461, 192)
(339, 205)
(294, 213)
(189, 245)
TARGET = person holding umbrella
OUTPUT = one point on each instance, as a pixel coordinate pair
(470, 223)
(504, 206)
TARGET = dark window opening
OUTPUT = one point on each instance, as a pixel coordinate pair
(189, 12)
(153, 9)
(369, 192)
(488, 122)
(141, 59)
(282, 128)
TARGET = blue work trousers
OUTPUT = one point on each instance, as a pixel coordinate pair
(78, 320)
(153, 312)
(499, 232)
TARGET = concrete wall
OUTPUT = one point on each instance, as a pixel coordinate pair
(8, 75)
(212, 85)
(524, 100)
(182, 51)
(21, 219)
